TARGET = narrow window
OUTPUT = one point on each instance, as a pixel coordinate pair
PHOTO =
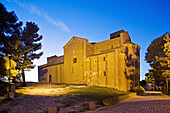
(104, 73)
(50, 81)
(104, 58)
(74, 60)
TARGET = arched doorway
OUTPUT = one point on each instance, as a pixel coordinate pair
(50, 80)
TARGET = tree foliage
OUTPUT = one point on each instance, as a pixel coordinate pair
(30, 40)
(8, 25)
(165, 61)
(11, 65)
(157, 56)
(149, 77)
(19, 43)
(30, 44)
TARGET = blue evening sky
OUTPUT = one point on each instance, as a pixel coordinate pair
(94, 20)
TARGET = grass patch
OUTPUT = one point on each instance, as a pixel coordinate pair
(87, 92)
(97, 93)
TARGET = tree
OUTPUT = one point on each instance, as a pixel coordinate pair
(31, 43)
(26, 43)
(165, 61)
(157, 57)
(149, 77)
(8, 25)
(20, 44)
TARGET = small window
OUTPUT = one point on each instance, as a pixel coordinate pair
(95, 61)
(111, 46)
(74, 60)
(104, 58)
(104, 73)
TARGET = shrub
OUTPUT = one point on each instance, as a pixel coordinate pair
(138, 90)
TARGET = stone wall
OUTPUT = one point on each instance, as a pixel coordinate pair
(89, 49)
(107, 46)
(56, 72)
(55, 59)
(74, 51)
(42, 73)
(107, 70)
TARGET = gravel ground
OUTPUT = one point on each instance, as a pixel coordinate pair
(39, 98)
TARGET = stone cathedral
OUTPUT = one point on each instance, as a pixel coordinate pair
(112, 63)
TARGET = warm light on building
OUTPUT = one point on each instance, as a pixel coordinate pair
(112, 63)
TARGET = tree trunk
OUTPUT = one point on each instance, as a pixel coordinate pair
(23, 78)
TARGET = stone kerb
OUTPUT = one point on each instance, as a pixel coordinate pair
(112, 101)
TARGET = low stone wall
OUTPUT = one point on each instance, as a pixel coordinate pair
(112, 101)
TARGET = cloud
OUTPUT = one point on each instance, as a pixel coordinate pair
(40, 12)
(8, 0)
(21, 4)
(35, 10)
(58, 23)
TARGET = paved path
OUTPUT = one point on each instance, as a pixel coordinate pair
(150, 102)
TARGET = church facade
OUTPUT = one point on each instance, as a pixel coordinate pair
(112, 63)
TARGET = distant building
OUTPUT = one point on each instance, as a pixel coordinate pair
(112, 63)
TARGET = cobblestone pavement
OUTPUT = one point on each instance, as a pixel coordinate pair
(150, 102)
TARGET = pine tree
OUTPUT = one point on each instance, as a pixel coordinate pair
(20, 44)
(31, 43)
(8, 25)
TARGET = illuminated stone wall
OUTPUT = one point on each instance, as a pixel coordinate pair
(74, 50)
(55, 59)
(109, 70)
(54, 67)
(107, 46)
(89, 49)
(113, 63)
